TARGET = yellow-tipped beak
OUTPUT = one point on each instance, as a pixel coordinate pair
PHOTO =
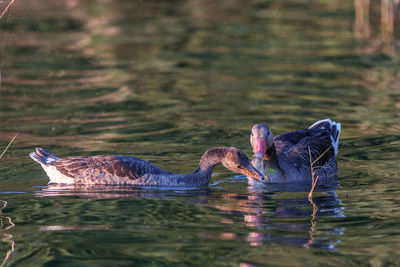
(253, 173)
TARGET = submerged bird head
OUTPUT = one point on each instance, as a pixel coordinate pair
(237, 161)
(261, 139)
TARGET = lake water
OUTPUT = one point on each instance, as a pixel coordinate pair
(165, 81)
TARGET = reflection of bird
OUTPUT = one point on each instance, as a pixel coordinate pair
(125, 170)
(287, 157)
(280, 217)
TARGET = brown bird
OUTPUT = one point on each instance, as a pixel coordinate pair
(126, 170)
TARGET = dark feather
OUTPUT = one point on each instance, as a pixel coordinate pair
(292, 147)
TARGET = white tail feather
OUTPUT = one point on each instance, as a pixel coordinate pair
(45, 159)
(335, 143)
(56, 177)
(320, 122)
(334, 135)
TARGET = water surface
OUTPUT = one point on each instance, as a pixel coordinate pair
(165, 81)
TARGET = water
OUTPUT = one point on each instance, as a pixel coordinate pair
(166, 80)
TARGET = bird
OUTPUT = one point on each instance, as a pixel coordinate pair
(127, 170)
(299, 155)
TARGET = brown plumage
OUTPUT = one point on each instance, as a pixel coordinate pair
(126, 170)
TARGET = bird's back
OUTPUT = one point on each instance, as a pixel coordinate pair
(294, 150)
(95, 169)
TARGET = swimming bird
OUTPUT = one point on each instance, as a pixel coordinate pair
(126, 170)
(286, 157)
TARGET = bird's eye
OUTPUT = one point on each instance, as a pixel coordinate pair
(251, 134)
(268, 133)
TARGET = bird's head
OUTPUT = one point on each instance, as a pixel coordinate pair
(237, 161)
(261, 139)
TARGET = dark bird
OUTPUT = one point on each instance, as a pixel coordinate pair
(286, 157)
(126, 170)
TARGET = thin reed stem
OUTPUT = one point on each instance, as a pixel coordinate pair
(9, 144)
(6, 9)
(314, 179)
(320, 156)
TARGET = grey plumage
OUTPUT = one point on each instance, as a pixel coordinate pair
(288, 155)
(42, 156)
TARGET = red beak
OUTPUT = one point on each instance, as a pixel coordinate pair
(260, 148)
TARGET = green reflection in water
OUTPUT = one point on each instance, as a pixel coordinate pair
(167, 80)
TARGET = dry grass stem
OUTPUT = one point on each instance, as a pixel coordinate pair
(4, 205)
(313, 228)
(320, 156)
(314, 179)
(9, 144)
(6, 9)
(11, 224)
(6, 238)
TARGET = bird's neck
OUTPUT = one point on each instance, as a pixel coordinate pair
(271, 161)
(211, 158)
(200, 176)
(271, 154)
(195, 178)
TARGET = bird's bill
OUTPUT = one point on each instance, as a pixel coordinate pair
(253, 173)
(260, 147)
